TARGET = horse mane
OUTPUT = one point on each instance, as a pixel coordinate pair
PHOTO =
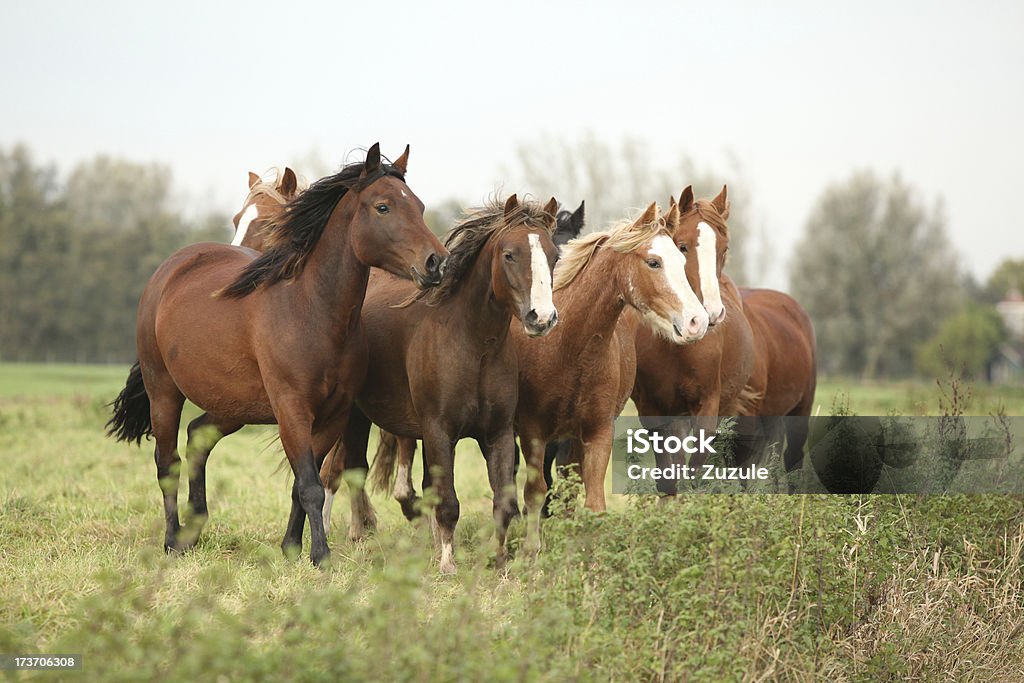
(624, 237)
(292, 234)
(465, 241)
(705, 208)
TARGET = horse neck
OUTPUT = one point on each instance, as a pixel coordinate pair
(592, 303)
(486, 317)
(333, 281)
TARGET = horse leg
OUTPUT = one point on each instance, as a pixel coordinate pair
(597, 450)
(405, 492)
(499, 452)
(357, 433)
(567, 455)
(165, 413)
(307, 490)
(439, 457)
(204, 433)
(330, 476)
(535, 491)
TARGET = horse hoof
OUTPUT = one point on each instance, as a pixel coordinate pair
(321, 560)
(447, 568)
(410, 508)
(291, 549)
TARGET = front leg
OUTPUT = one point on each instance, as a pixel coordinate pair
(499, 452)
(536, 488)
(439, 462)
(296, 423)
(597, 451)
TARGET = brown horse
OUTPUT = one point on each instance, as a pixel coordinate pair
(289, 347)
(706, 378)
(263, 202)
(785, 368)
(574, 382)
(443, 367)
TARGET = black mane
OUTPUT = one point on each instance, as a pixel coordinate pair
(292, 236)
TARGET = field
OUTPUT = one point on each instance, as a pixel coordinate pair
(703, 588)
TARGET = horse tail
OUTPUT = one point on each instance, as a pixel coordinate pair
(382, 474)
(131, 420)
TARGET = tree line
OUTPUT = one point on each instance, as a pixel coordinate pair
(874, 268)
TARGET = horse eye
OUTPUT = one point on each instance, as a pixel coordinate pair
(382, 208)
(654, 264)
(683, 248)
(509, 257)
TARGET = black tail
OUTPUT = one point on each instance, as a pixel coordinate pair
(131, 419)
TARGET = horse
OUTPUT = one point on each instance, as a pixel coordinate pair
(442, 366)
(289, 347)
(569, 225)
(263, 202)
(709, 377)
(574, 382)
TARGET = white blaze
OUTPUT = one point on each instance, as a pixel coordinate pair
(674, 267)
(707, 264)
(243, 224)
(540, 287)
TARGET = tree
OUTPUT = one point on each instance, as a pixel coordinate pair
(616, 179)
(968, 340)
(876, 273)
(1009, 274)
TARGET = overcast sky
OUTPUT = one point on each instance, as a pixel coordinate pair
(802, 96)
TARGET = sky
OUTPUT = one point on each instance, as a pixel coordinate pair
(801, 95)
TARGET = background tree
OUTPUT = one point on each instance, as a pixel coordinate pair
(968, 340)
(615, 179)
(876, 273)
(1009, 274)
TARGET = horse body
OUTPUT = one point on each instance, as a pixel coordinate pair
(273, 338)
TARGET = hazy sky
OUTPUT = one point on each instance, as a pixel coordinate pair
(802, 96)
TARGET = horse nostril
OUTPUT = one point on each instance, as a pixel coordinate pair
(554, 319)
(694, 326)
(433, 264)
(531, 317)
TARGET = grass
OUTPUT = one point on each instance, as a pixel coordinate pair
(703, 588)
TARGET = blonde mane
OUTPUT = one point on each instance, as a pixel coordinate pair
(624, 237)
(268, 189)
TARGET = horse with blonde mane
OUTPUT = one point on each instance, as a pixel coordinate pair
(442, 365)
(574, 382)
(263, 202)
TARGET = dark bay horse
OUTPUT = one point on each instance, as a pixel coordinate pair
(286, 325)
(443, 367)
(569, 225)
(709, 377)
(574, 382)
(263, 202)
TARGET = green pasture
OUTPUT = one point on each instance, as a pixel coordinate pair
(858, 588)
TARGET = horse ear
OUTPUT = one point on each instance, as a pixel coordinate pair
(253, 179)
(372, 163)
(511, 204)
(672, 218)
(672, 201)
(289, 183)
(402, 162)
(686, 199)
(648, 216)
(577, 218)
(721, 202)
(551, 208)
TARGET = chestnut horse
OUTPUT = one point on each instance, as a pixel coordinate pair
(289, 347)
(707, 378)
(443, 367)
(574, 382)
(263, 202)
